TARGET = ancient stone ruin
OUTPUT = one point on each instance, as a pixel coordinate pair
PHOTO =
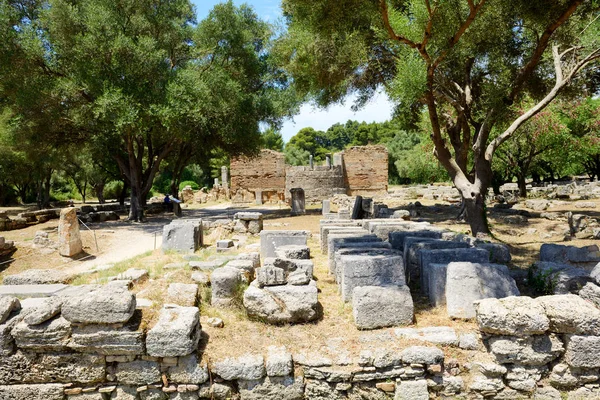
(359, 170)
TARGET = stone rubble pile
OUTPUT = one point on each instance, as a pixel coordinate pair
(6, 247)
(24, 219)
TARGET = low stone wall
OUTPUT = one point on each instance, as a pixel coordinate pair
(319, 183)
(25, 219)
(264, 173)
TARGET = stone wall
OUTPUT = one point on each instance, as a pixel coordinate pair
(366, 170)
(264, 173)
(319, 183)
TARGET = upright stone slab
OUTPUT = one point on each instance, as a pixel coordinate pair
(184, 236)
(370, 270)
(176, 333)
(69, 238)
(335, 229)
(357, 211)
(397, 238)
(413, 246)
(334, 242)
(271, 240)
(379, 307)
(298, 201)
(356, 248)
(326, 209)
(446, 256)
(225, 177)
(467, 282)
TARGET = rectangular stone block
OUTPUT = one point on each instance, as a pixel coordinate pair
(25, 291)
(467, 282)
(367, 270)
(50, 391)
(397, 238)
(331, 229)
(582, 351)
(379, 307)
(413, 246)
(354, 248)
(334, 241)
(270, 240)
(176, 333)
(270, 276)
(103, 339)
(183, 235)
(446, 256)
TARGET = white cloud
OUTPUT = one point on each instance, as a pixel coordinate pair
(379, 109)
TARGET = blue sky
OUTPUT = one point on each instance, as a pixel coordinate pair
(378, 110)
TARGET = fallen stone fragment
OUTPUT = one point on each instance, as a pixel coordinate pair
(176, 333)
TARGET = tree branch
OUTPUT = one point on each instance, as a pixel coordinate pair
(386, 22)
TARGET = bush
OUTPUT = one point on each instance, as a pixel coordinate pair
(113, 190)
(193, 184)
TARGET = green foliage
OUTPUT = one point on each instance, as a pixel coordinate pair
(305, 143)
(193, 185)
(543, 283)
(113, 190)
(271, 139)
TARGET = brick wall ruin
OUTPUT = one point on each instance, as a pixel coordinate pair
(319, 183)
(366, 170)
(264, 174)
(359, 170)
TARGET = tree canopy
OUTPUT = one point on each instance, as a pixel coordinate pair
(467, 62)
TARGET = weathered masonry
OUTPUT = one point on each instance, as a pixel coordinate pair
(359, 170)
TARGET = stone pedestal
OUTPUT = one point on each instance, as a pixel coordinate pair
(298, 201)
(69, 238)
(326, 207)
(225, 177)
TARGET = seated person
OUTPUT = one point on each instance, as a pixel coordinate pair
(167, 202)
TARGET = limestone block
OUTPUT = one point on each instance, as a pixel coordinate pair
(189, 370)
(467, 282)
(582, 351)
(279, 362)
(95, 304)
(271, 240)
(514, 316)
(591, 292)
(296, 252)
(224, 284)
(248, 367)
(378, 307)
(499, 252)
(8, 304)
(253, 256)
(534, 350)
(272, 388)
(367, 270)
(338, 227)
(200, 278)
(571, 314)
(442, 335)
(43, 311)
(184, 236)
(124, 393)
(298, 278)
(282, 304)
(412, 390)
(176, 333)
(69, 238)
(337, 240)
(412, 252)
(183, 294)
(50, 335)
(397, 238)
(248, 216)
(446, 256)
(52, 368)
(243, 265)
(104, 339)
(132, 274)
(290, 265)
(270, 276)
(138, 372)
(335, 268)
(37, 277)
(51, 391)
(422, 355)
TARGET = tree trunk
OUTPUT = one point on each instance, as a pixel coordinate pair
(123, 195)
(99, 190)
(476, 215)
(522, 185)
